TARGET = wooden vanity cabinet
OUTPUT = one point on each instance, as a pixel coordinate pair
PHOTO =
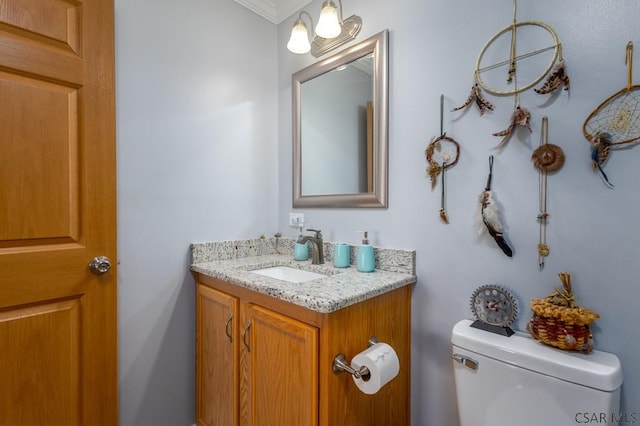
(217, 357)
(279, 359)
(271, 363)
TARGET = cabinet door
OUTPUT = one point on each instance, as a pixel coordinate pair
(279, 370)
(217, 392)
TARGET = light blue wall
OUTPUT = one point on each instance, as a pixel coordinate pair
(197, 158)
(592, 232)
(204, 153)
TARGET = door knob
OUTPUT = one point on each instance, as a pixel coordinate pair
(99, 265)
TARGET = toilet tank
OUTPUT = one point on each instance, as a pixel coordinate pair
(519, 381)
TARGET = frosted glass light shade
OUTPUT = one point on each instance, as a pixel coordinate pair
(328, 23)
(299, 41)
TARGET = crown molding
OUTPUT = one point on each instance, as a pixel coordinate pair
(275, 11)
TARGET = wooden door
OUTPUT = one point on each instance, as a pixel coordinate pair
(279, 370)
(216, 358)
(58, 331)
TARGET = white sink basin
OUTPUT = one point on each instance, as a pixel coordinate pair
(285, 273)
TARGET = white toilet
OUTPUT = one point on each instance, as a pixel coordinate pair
(506, 381)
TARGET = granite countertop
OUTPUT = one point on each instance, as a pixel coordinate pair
(340, 288)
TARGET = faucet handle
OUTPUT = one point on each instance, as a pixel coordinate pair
(317, 231)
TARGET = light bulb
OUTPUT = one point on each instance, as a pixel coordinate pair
(328, 23)
(299, 41)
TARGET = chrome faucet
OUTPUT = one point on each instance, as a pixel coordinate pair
(317, 255)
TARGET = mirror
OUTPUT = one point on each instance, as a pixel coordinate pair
(340, 128)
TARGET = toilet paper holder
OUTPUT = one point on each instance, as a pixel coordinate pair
(340, 364)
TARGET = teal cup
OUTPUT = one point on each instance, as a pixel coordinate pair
(301, 251)
(366, 261)
(341, 255)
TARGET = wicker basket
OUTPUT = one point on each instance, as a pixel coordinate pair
(557, 322)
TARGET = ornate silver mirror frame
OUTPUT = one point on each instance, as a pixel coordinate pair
(377, 193)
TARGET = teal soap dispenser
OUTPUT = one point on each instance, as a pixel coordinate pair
(366, 261)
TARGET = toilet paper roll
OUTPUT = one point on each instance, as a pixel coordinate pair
(383, 364)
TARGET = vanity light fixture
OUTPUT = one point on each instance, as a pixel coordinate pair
(329, 22)
(331, 32)
(299, 40)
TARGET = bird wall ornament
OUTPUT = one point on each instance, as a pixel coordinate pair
(489, 216)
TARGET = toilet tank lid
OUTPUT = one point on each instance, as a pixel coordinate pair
(598, 370)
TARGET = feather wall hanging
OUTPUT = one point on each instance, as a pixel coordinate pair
(489, 217)
(541, 40)
(545, 44)
(476, 97)
(442, 153)
(556, 79)
(616, 121)
(521, 117)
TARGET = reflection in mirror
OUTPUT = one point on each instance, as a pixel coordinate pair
(340, 128)
(334, 129)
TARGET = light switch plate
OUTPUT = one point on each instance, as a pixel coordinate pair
(296, 220)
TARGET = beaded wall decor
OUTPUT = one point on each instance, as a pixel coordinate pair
(547, 158)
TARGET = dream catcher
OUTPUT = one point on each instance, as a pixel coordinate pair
(616, 122)
(547, 158)
(519, 71)
(442, 153)
(489, 217)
